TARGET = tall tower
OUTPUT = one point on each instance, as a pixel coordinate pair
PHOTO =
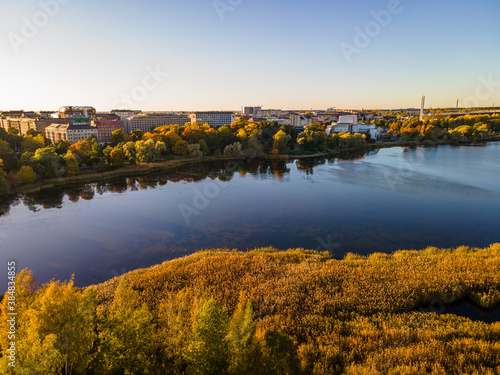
(422, 109)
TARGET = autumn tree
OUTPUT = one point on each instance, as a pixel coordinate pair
(281, 140)
(55, 326)
(72, 168)
(26, 174)
(117, 158)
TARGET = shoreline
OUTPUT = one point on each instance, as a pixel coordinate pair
(171, 165)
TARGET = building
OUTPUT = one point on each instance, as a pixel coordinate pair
(251, 110)
(105, 128)
(350, 124)
(38, 125)
(124, 114)
(70, 132)
(23, 124)
(300, 120)
(147, 122)
(76, 111)
(215, 119)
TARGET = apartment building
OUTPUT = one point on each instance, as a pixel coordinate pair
(215, 119)
(69, 132)
(105, 128)
(146, 122)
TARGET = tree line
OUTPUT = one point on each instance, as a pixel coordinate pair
(461, 129)
(30, 158)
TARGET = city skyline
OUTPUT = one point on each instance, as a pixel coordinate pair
(222, 55)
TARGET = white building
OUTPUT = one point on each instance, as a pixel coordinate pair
(350, 124)
(146, 122)
(67, 132)
(215, 119)
(350, 119)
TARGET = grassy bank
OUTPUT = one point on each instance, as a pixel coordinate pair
(354, 316)
(266, 312)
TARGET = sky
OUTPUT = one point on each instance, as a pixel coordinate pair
(224, 54)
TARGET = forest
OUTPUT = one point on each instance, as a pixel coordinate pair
(265, 312)
(30, 158)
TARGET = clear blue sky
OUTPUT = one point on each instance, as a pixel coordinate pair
(277, 53)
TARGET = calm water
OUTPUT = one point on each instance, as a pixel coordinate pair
(383, 201)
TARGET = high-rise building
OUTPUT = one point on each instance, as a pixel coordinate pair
(251, 110)
(215, 119)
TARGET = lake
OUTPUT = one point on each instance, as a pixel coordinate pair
(385, 200)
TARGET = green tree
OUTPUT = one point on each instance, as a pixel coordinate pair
(129, 150)
(233, 150)
(117, 136)
(8, 156)
(137, 135)
(126, 334)
(208, 350)
(194, 151)
(32, 143)
(45, 162)
(280, 354)
(4, 186)
(181, 148)
(107, 153)
(62, 147)
(241, 339)
(145, 150)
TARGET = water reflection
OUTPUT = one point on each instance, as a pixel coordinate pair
(383, 200)
(223, 171)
